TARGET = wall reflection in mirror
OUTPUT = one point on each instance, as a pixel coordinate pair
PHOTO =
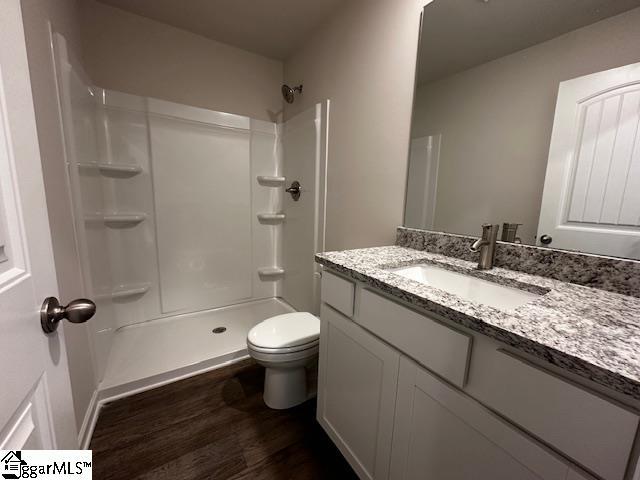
(526, 115)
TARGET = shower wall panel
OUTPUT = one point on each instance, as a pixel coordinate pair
(304, 151)
(266, 161)
(78, 110)
(202, 191)
(124, 144)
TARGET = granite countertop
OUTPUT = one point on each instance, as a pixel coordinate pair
(590, 332)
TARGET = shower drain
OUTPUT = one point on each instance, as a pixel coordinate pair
(219, 330)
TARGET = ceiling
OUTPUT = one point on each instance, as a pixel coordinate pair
(272, 28)
(460, 34)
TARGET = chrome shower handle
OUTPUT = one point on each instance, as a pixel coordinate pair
(294, 190)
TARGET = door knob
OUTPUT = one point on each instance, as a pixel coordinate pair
(545, 239)
(294, 190)
(51, 313)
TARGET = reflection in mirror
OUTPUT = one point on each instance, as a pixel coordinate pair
(526, 115)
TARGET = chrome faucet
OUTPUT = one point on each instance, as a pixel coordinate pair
(486, 245)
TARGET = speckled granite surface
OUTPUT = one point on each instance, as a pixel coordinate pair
(612, 274)
(591, 332)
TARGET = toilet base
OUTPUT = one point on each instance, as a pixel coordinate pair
(285, 388)
(285, 377)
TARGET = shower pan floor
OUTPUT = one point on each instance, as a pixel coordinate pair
(153, 353)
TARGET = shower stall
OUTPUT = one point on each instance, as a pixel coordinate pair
(186, 233)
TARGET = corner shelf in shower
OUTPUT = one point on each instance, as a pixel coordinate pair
(113, 169)
(271, 217)
(117, 219)
(125, 291)
(270, 181)
(271, 271)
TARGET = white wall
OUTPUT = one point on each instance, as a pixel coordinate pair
(64, 18)
(136, 55)
(363, 60)
(496, 121)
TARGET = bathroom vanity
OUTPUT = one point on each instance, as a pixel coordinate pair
(430, 368)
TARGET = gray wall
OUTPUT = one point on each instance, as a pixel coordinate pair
(134, 54)
(363, 60)
(496, 122)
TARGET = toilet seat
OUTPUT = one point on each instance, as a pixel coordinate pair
(286, 333)
(277, 351)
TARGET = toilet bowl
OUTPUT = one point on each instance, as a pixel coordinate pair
(285, 345)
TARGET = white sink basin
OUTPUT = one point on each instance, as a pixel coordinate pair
(467, 287)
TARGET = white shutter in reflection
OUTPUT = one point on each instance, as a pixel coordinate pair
(606, 180)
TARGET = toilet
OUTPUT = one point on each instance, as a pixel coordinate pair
(285, 345)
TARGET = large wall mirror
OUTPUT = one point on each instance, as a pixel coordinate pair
(526, 113)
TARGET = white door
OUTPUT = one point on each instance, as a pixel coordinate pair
(422, 179)
(36, 409)
(591, 199)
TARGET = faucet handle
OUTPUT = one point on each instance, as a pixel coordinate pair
(510, 232)
(489, 229)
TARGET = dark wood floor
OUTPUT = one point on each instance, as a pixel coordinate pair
(212, 426)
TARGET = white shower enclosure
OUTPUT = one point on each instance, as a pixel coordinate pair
(184, 225)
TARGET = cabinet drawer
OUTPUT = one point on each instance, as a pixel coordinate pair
(439, 348)
(593, 431)
(338, 292)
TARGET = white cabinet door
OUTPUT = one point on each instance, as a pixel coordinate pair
(442, 434)
(357, 382)
(591, 198)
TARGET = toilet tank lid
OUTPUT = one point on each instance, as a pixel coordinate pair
(286, 330)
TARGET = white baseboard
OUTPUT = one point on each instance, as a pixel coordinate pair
(89, 422)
